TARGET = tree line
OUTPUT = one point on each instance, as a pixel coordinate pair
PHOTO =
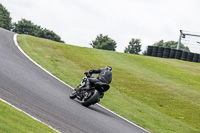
(101, 42)
(5, 19)
(25, 26)
(134, 47)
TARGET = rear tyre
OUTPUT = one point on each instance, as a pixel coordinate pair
(94, 98)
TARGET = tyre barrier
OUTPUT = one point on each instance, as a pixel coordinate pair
(157, 51)
(178, 54)
(196, 57)
(160, 52)
(149, 50)
(172, 53)
(184, 55)
(190, 57)
(166, 52)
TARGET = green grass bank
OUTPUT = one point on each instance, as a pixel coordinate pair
(15, 121)
(160, 95)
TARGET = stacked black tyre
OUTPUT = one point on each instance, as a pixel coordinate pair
(166, 52)
(184, 55)
(155, 51)
(196, 57)
(172, 53)
(149, 50)
(190, 57)
(160, 52)
(178, 54)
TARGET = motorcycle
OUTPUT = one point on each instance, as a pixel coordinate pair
(89, 95)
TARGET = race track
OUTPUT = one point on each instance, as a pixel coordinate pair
(28, 87)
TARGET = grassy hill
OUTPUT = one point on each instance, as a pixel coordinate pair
(160, 95)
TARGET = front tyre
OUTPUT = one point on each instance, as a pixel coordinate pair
(94, 98)
(73, 94)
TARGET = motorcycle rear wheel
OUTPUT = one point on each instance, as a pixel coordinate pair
(94, 98)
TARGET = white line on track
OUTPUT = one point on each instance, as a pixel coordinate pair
(28, 114)
(16, 43)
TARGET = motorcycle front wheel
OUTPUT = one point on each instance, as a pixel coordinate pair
(73, 94)
(92, 99)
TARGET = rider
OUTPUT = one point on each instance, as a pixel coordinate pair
(105, 76)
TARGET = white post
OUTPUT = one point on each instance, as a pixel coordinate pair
(179, 41)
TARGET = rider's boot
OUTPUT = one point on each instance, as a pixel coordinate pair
(101, 95)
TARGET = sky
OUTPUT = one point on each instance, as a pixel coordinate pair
(79, 22)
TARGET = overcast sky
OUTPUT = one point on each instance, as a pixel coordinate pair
(78, 22)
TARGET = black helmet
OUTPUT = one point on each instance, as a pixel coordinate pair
(108, 68)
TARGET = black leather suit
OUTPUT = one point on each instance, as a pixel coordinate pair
(105, 76)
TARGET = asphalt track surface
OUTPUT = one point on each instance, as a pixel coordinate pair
(29, 88)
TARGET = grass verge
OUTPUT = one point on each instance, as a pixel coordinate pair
(160, 95)
(15, 121)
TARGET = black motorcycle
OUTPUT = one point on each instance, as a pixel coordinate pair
(91, 95)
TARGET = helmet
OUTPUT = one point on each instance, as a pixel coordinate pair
(108, 68)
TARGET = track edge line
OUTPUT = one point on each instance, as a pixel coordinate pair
(28, 114)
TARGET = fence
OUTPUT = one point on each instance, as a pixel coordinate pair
(162, 52)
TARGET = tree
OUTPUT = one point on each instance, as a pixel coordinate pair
(27, 27)
(5, 19)
(50, 35)
(104, 42)
(171, 44)
(134, 47)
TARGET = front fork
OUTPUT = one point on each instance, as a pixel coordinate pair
(82, 94)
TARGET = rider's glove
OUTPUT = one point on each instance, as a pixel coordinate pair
(86, 73)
